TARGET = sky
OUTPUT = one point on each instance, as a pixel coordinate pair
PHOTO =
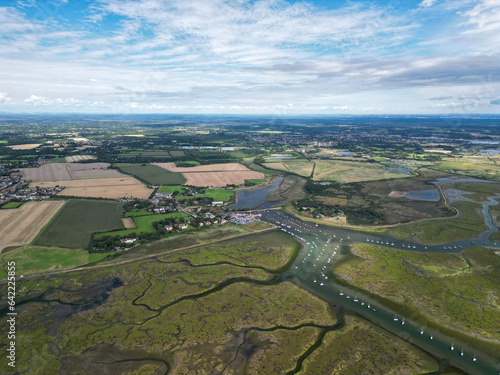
(250, 56)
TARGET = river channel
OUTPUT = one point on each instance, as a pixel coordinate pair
(322, 245)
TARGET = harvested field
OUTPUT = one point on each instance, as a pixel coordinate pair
(111, 188)
(92, 170)
(204, 168)
(71, 159)
(68, 171)
(300, 167)
(217, 179)
(27, 146)
(20, 226)
(47, 172)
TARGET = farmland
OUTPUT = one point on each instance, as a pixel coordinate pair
(347, 171)
(68, 171)
(441, 286)
(144, 224)
(171, 189)
(33, 259)
(110, 188)
(215, 175)
(473, 166)
(12, 204)
(20, 226)
(27, 146)
(152, 174)
(220, 179)
(204, 168)
(76, 158)
(300, 167)
(73, 226)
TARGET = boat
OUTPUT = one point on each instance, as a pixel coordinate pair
(474, 359)
(430, 337)
(422, 331)
(452, 347)
(395, 318)
(462, 352)
(403, 321)
(341, 293)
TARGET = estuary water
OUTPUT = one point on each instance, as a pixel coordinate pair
(253, 198)
(323, 245)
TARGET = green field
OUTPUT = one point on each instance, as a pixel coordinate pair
(3, 142)
(151, 174)
(74, 224)
(33, 259)
(192, 163)
(12, 204)
(217, 194)
(144, 224)
(138, 213)
(172, 189)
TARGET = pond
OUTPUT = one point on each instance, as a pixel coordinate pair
(252, 198)
(491, 152)
(431, 195)
(346, 153)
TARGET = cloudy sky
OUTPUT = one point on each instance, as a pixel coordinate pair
(250, 56)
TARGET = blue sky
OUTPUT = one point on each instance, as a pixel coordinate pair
(260, 56)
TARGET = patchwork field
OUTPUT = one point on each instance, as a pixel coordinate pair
(347, 171)
(214, 175)
(27, 146)
(300, 167)
(68, 171)
(74, 158)
(111, 188)
(216, 179)
(152, 174)
(474, 166)
(21, 225)
(204, 168)
(142, 224)
(33, 259)
(73, 226)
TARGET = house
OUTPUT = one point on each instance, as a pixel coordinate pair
(183, 226)
(217, 203)
(168, 227)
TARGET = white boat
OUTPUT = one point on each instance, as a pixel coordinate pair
(462, 352)
(452, 347)
(395, 318)
(341, 293)
(474, 359)
(430, 337)
(422, 331)
(403, 321)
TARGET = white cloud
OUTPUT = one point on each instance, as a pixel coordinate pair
(427, 3)
(4, 98)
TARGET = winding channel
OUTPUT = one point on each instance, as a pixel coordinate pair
(322, 245)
